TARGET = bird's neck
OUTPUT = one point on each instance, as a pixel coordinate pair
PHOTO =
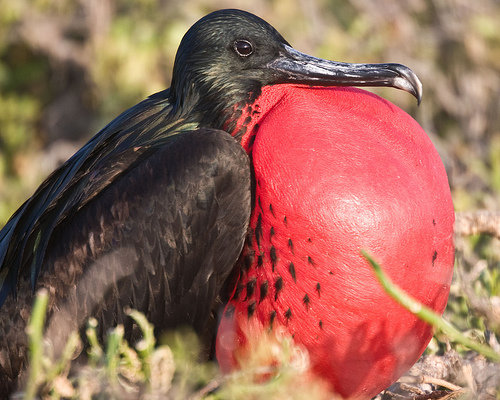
(232, 108)
(238, 112)
(244, 116)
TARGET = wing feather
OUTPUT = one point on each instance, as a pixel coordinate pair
(24, 238)
(161, 237)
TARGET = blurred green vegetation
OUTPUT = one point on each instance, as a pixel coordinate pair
(169, 370)
(67, 67)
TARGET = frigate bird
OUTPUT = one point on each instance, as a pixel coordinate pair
(153, 212)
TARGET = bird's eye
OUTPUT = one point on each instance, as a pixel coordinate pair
(243, 48)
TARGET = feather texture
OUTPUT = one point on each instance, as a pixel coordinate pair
(160, 234)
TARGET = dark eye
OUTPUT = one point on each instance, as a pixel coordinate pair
(243, 47)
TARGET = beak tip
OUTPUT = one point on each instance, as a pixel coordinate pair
(418, 90)
(418, 95)
(409, 82)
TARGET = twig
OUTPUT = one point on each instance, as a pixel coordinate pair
(476, 222)
(426, 314)
(431, 380)
(211, 386)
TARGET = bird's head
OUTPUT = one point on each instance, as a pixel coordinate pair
(229, 55)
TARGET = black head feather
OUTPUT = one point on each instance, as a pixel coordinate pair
(220, 62)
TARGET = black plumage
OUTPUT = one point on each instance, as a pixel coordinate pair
(162, 239)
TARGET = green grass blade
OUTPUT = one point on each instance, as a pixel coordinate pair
(426, 314)
(35, 337)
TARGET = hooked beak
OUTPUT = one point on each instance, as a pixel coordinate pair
(294, 66)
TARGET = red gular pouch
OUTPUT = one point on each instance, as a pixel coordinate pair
(339, 170)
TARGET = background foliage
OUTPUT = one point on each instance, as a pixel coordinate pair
(67, 67)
